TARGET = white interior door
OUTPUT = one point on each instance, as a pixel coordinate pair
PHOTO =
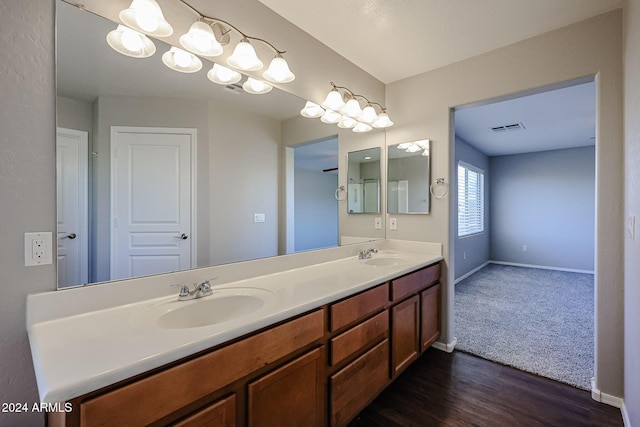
(72, 207)
(152, 181)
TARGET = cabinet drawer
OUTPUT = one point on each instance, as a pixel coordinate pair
(359, 337)
(221, 413)
(358, 306)
(415, 281)
(355, 386)
(178, 386)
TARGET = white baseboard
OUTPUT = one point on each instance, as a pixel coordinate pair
(625, 415)
(605, 398)
(448, 347)
(543, 267)
(475, 270)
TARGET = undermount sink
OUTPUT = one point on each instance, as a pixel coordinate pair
(222, 306)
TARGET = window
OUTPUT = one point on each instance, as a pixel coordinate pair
(470, 200)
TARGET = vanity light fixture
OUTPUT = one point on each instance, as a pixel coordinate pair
(223, 76)
(206, 38)
(181, 60)
(256, 87)
(343, 108)
(146, 16)
(130, 42)
(312, 110)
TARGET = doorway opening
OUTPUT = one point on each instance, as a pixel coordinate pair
(530, 243)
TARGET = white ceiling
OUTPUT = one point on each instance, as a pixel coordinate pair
(396, 39)
(552, 120)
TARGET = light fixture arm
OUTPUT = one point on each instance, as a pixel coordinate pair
(213, 20)
(355, 95)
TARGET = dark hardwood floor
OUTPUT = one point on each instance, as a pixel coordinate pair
(459, 389)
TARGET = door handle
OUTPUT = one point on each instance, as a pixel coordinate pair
(183, 236)
(71, 236)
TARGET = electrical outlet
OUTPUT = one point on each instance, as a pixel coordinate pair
(393, 224)
(38, 248)
(464, 255)
(378, 223)
(524, 248)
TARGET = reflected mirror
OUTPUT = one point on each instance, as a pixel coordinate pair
(125, 126)
(363, 175)
(408, 177)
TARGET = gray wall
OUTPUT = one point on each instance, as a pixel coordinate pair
(472, 251)
(632, 208)
(27, 185)
(546, 201)
(316, 210)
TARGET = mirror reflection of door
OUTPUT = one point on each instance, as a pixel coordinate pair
(72, 227)
(315, 204)
(151, 185)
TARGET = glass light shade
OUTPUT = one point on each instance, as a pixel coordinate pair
(200, 40)
(425, 153)
(352, 108)
(423, 144)
(347, 122)
(244, 57)
(362, 127)
(181, 60)
(413, 148)
(223, 75)
(256, 87)
(312, 110)
(368, 114)
(278, 71)
(404, 145)
(382, 121)
(130, 42)
(146, 17)
(331, 117)
(333, 101)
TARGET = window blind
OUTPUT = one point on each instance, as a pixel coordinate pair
(470, 200)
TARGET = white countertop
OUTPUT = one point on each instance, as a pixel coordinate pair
(75, 352)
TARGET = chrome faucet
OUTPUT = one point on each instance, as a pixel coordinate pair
(367, 253)
(199, 291)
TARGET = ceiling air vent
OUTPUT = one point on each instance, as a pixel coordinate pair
(504, 128)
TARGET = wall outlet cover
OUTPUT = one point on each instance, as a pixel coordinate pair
(38, 248)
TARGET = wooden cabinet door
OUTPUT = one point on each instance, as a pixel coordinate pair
(405, 326)
(430, 316)
(358, 383)
(292, 395)
(221, 413)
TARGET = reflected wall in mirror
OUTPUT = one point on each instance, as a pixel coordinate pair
(234, 139)
(363, 175)
(408, 177)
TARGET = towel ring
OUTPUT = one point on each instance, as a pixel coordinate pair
(341, 189)
(439, 181)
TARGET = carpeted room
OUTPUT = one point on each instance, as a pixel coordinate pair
(537, 211)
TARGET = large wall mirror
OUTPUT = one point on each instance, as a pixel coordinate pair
(408, 177)
(161, 171)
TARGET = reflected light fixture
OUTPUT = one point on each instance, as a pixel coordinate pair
(415, 146)
(146, 17)
(255, 86)
(312, 110)
(130, 42)
(181, 60)
(223, 75)
(343, 108)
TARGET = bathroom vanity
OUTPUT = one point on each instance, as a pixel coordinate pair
(326, 341)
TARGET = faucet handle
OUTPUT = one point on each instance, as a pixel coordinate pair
(184, 290)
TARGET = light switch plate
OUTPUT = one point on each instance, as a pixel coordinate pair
(38, 248)
(258, 217)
